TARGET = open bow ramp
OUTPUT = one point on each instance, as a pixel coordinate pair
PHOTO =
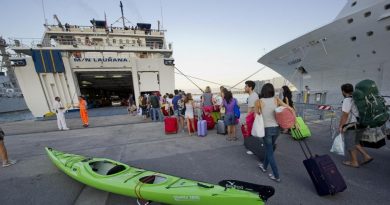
(119, 178)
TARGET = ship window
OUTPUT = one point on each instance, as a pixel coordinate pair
(353, 38)
(113, 41)
(370, 33)
(374, 52)
(388, 27)
(127, 41)
(367, 14)
(350, 20)
(120, 41)
(358, 55)
(354, 3)
(107, 40)
(387, 7)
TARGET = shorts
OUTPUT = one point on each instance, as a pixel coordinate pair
(177, 113)
(230, 119)
(352, 138)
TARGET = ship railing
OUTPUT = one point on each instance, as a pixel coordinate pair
(45, 43)
(129, 30)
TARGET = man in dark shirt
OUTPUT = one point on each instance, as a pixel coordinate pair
(176, 111)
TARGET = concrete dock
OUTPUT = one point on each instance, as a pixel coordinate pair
(134, 141)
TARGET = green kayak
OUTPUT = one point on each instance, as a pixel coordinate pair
(149, 186)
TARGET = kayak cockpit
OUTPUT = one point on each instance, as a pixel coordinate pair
(153, 179)
(106, 167)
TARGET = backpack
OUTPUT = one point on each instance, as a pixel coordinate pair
(236, 110)
(371, 106)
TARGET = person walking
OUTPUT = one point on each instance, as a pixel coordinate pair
(348, 127)
(189, 113)
(83, 111)
(230, 119)
(6, 162)
(253, 96)
(266, 107)
(143, 105)
(60, 113)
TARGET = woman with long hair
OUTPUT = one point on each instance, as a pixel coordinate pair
(189, 113)
(266, 107)
(287, 96)
(230, 119)
(207, 101)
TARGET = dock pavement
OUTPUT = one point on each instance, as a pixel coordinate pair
(142, 143)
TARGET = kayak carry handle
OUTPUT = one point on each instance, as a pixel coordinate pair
(265, 192)
(205, 185)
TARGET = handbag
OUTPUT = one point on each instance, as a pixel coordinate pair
(338, 146)
(258, 126)
(222, 110)
(285, 117)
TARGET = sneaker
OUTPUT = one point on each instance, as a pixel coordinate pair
(66, 129)
(261, 166)
(249, 152)
(271, 176)
(9, 163)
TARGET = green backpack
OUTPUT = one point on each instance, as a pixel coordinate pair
(371, 106)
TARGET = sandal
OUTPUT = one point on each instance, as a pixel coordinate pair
(367, 161)
(348, 163)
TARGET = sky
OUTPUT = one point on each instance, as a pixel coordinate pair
(215, 40)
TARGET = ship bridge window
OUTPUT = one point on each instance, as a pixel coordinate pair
(387, 7)
(367, 14)
(350, 21)
(354, 3)
(370, 33)
(353, 38)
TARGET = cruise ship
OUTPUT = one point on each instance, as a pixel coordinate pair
(354, 47)
(99, 61)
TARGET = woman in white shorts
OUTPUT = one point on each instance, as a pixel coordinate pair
(189, 113)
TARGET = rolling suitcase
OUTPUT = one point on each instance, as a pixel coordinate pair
(256, 145)
(323, 173)
(221, 128)
(300, 131)
(192, 129)
(170, 124)
(202, 128)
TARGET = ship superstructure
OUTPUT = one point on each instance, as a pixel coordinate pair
(355, 46)
(98, 61)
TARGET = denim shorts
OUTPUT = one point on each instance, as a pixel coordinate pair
(230, 119)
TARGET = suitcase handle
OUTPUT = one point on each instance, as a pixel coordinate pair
(303, 150)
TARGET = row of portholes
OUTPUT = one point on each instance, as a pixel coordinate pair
(387, 6)
(367, 14)
(369, 33)
(373, 52)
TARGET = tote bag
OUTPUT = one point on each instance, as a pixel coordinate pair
(258, 126)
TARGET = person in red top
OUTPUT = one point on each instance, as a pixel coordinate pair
(83, 111)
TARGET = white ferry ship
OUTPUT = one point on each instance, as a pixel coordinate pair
(98, 61)
(355, 46)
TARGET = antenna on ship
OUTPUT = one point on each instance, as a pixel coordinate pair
(44, 13)
(123, 16)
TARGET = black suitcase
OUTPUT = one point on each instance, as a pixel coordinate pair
(323, 172)
(256, 145)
